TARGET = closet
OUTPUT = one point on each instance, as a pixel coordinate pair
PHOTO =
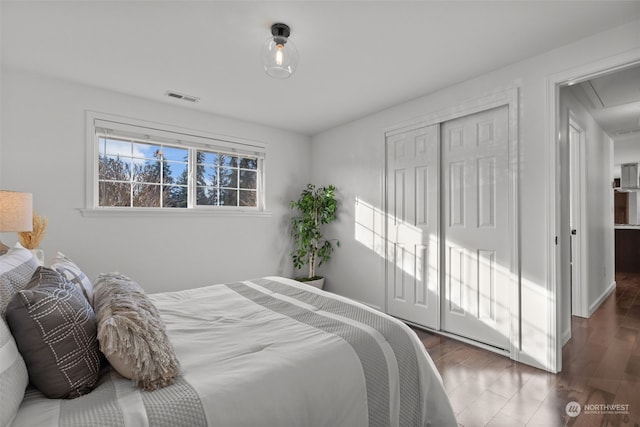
(451, 203)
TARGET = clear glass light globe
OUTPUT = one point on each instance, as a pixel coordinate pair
(280, 57)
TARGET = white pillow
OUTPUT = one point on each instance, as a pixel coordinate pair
(73, 274)
(16, 268)
(13, 376)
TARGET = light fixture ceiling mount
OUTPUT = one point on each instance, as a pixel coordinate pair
(279, 54)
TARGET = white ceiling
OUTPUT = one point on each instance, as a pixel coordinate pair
(356, 57)
(614, 102)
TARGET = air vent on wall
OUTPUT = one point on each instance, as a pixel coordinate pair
(182, 96)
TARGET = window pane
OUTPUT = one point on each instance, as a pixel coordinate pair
(248, 198)
(204, 157)
(175, 196)
(228, 197)
(248, 179)
(147, 151)
(146, 196)
(206, 196)
(226, 160)
(102, 147)
(229, 177)
(116, 147)
(173, 172)
(165, 198)
(246, 163)
(114, 194)
(114, 168)
(206, 175)
(175, 154)
(149, 171)
(180, 175)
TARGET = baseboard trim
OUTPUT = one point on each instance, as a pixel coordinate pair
(593, 307)
(460, 338)
(566, 336)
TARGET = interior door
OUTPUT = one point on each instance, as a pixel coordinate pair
(575, 244)
(413, 226)
(475, 233)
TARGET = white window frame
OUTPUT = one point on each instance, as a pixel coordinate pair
(173, 135)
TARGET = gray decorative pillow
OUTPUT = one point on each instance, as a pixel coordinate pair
(55, 330)
(13, 376)
(16, 268)
(131, 333)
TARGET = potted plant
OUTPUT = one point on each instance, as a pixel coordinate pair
(316, 207)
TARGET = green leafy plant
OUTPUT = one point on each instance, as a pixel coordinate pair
(316, 207)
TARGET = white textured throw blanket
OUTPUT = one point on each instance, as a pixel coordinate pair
(269, 352)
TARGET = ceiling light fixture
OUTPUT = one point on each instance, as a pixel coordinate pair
(279, 54)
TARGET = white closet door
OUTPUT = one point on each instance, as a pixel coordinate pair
(412, 226)
(476, 248)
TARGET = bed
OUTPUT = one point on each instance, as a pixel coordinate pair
(267, 352)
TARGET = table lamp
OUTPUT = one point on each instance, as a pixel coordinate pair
(16, 213)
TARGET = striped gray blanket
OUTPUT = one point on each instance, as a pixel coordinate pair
(268, 352)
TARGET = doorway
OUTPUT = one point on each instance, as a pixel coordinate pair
(576, 165)
(595, 250)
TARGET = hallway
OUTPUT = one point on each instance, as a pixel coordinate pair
(601, 365)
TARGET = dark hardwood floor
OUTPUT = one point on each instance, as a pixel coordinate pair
(601, 365)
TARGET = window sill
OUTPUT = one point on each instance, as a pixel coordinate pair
(179, 212)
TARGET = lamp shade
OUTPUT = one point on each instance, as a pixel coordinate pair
(16, 211)
(279, 54)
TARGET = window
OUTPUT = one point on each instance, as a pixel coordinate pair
(151, 167)
(226, 180)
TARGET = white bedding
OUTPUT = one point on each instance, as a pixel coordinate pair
(269, 352)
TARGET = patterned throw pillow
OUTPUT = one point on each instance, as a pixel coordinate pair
(73, 274)
(16, 268)
(131, 334)
(13, 376)
(55, 330)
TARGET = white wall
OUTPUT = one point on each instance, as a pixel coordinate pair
(351, 157)
(634, 204)
(626, 151)
(43, 152)
(598, 238)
